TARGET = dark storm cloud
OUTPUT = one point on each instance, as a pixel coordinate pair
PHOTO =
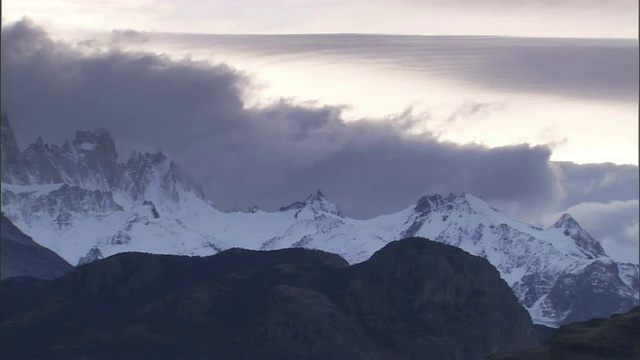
(268, 156)
(603, 69)
(598, 183)
(56, 90)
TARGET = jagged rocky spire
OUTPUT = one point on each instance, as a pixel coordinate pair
(566, 221)
(13, 167)
(315, 205)
(90, 161)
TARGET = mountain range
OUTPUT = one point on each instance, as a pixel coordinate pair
(84, 203)
(413, 299)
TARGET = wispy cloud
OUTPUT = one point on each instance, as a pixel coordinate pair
(591, 69)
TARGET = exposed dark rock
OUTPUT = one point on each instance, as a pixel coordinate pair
(413, 229)
(144, 168)
(617, 337)
(154, 212)
(437, 202)
(60, 203)
(21, 256)
(93, 254)
(40, 165)
(415, 299)
(293, 206)
(13, 168)
(427, 203)
(317, 205)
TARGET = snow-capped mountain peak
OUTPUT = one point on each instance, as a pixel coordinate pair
(566, 221)
(155, 177)
(319, 198)
(569, 227)
(317, 205)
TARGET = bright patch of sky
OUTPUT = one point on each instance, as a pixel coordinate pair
(570, 18)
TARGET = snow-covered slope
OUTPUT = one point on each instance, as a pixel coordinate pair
(82, 202)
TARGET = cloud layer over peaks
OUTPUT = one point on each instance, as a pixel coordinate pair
(265, 156)
(276, 154)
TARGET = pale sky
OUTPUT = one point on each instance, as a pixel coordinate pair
(532, 18)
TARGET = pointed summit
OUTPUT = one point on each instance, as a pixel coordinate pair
(12, 163)
(39, 164)
(93, 255)
(587, 244)
(156, 177)
(315, 206)
(317, 196)
(566, 221)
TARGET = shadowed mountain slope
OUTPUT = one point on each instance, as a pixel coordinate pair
(21, 256)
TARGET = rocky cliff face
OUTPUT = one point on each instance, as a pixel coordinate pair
(592, 292)
(13, 167)
(90, 161)
(62, 203)
(156, 177)
(415, 299)
(21, 256)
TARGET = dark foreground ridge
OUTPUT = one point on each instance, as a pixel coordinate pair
(21, 256)
(617, 337)
(414, 299)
